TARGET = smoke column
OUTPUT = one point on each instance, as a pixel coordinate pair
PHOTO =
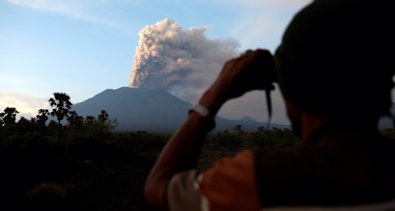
(181, 61)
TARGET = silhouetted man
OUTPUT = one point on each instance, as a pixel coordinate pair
(334, 67)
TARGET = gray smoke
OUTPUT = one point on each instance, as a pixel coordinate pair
(181, 61)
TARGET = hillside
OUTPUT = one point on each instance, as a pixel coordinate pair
(149, 110)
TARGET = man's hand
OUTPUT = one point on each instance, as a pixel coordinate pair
(252, 70)
(239, 75)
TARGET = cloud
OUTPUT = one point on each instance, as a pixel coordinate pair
(78, 9)
(181, 61)
(25, 104)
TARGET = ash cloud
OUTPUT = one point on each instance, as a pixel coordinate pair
(181, 61)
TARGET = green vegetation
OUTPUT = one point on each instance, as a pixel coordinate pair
(238, 139)
(60, 160)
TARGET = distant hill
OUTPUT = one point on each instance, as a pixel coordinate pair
(149, 110)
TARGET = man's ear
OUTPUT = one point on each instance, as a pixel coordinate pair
(295, 117)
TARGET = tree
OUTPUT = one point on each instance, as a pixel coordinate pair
(23, 126)
(7, 122)
(102, 125)
(90, 120)
(61, 106)
(42, 116)
(8, 117)
(75, 121)
(103, 116)
(40, 120)
(106, 123)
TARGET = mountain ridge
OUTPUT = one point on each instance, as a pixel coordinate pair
(150, 110)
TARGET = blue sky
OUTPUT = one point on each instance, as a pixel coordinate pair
(83, 47)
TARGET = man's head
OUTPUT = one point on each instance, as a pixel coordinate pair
(335, 60)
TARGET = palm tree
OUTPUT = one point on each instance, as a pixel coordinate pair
(8, 117)
(41, 119)
(61, 106)
(42, 116)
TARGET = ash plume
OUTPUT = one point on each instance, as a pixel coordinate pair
(181, 61)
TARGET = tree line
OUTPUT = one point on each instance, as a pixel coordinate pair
(49, 121)
(59, 160)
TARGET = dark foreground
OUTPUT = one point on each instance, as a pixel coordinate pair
(102, 172)
(89, 174)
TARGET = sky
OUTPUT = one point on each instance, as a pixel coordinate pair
(82, 47)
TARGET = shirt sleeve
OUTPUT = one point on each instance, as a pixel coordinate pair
(229, 185)
(183, 192)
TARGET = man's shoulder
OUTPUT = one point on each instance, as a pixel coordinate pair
(329, 172)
